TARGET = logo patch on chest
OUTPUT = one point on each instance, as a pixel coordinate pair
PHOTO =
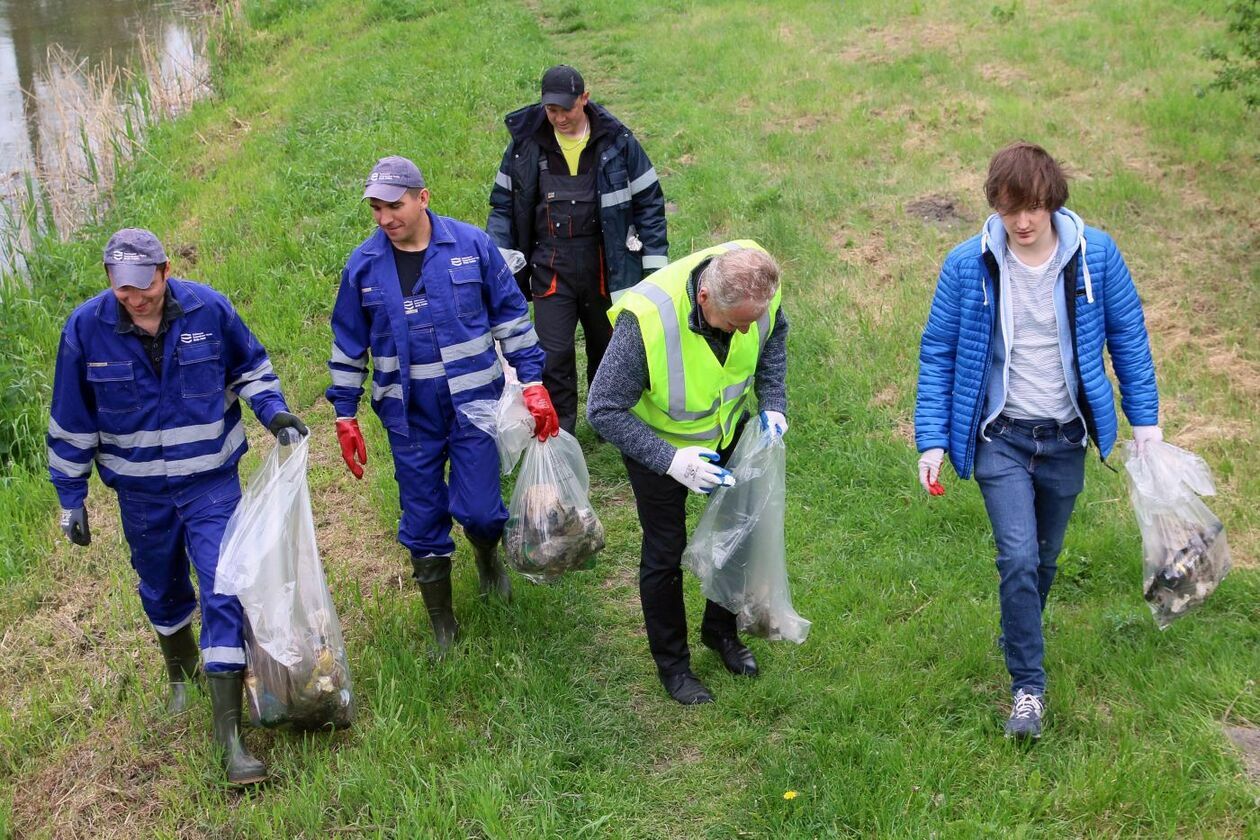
(193, 337)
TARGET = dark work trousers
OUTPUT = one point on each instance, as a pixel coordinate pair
(662, 506)
(568, 285)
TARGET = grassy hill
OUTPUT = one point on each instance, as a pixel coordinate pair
(851, 140)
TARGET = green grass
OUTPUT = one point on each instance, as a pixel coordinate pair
(809, 127)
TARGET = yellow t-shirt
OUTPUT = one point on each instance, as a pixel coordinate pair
(572, 149)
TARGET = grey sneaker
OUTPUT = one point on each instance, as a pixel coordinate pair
(1026, 715)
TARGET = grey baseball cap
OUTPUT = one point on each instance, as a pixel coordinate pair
(131, 255)
(391, 178)
(562, 85)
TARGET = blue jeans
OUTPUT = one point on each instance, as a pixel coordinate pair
(1030, 473)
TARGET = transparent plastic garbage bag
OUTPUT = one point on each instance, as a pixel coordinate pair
(506, 420)
(738, 550)
(551, 527)
(1184, 552)
(296, 671)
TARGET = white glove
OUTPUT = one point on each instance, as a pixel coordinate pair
(694, 467)
(930, 470)
(1145, 435)
(774, 423)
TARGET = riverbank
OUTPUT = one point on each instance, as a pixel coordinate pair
(851, 145)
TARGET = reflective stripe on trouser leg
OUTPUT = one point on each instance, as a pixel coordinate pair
(222, 619)
(475, 493)
(156, 541)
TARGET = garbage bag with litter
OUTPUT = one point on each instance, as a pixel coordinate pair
(738, 550)
(506, 420)
(551, 527)
(1184, 552)
(296, 671)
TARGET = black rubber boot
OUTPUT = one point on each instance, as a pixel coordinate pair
(183, 666)
(225, 698)
(434, 576)
(490, 570)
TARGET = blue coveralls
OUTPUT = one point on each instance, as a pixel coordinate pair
(168, 446)
(444, 339)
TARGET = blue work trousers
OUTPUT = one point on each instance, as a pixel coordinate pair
(473, 496)
(1030, 473)
(165, 538)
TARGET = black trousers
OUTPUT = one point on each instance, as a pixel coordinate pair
(662, 505)
(562, 299)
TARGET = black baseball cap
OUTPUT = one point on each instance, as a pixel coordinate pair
(562, 85)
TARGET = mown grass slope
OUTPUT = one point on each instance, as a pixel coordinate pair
(851, 140)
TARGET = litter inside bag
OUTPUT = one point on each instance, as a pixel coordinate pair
(506, 420)
(1184, 551)
(738, 550)
(296, 671)
(551, 527)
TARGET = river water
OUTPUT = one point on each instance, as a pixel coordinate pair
(35, 121)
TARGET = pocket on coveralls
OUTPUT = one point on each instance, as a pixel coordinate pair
(114, 385)
(200, 371)
(466, 286)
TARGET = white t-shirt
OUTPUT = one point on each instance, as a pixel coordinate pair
(1036, 386)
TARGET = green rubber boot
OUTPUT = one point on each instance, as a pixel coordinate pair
(183, 666)
(491, 571)
(225, 698)
(437, 600)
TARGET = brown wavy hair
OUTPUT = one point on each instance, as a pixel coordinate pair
(1024, 176)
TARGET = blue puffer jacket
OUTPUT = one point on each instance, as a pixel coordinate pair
(962, 343)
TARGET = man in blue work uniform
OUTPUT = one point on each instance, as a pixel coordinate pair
(577, 195)
(150, 374)
(427, 297)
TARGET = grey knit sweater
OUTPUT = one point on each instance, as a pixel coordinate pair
(623, 377)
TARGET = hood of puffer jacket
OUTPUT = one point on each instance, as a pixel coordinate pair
(1068, 228)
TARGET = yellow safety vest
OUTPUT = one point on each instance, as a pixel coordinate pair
(691, 399)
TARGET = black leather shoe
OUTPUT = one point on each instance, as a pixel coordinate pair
(737, 658)
(686, 688)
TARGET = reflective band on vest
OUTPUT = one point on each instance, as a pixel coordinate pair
(691, 398)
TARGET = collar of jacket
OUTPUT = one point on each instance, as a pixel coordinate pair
(182, 290)
(170, 311)
(378, 243)
(524, 123)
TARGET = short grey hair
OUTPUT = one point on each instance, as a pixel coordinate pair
(744, 274)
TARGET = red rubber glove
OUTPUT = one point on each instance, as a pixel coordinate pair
(546, 421)
(352, 445)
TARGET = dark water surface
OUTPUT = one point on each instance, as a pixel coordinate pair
(94, 31)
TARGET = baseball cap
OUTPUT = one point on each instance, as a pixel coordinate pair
(562, 85)
(391, 178)
(131, 255)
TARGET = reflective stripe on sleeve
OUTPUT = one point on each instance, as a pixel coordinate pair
(504, 180)
(519, 342)
(502, 331)
(73, 469)
(644, 181)
(254, 388)
(348, 379)
(81, 440)
(257, 373)
(342, 358)
(655, 261)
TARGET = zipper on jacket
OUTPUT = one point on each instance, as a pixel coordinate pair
(988, 366)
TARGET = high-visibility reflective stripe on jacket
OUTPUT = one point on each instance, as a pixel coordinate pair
(473, 300)
(692, 399)
(173, 435)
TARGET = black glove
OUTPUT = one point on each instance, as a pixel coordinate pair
(74, 524)
(285, 420)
